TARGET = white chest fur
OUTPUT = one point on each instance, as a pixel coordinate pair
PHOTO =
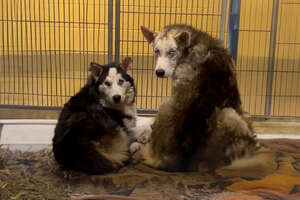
(130, 111)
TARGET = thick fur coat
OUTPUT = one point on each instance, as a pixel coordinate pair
(202, 125)
(92, 133)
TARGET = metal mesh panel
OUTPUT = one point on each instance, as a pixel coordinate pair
(252, 62)
(286, 84)
(203, 14)
(265, 27)
(46, 46)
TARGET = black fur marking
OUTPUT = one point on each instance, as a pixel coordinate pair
(119, 70)
(117, 115)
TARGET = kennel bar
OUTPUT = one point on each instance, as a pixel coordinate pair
(110, 30)
(271, 60)
(233, 27)
(117, 30)
(223, 20)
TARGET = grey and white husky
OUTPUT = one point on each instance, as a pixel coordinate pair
(97, 125)
(202, 125)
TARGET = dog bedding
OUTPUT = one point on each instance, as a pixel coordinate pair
(35, 175)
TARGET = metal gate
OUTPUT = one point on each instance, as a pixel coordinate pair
(205, 15)
(46, 46)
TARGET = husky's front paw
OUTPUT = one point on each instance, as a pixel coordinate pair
(142, 133)
(144, 138)
(134, 147)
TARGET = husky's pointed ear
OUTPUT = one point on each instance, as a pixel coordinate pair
(148, 34)
(183, 38)
(96, 70)
(126, 63)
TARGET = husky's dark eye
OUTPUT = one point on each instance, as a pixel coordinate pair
(107, 83)
(121, 82)
(156, 52)
(171, 53)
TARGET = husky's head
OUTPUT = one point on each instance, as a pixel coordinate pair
(115, 86)
(168, 48)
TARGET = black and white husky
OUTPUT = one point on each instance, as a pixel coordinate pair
(95, 127)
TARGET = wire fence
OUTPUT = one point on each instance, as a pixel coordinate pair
(205, 15)
(268, 61)
(46, 46)
(286, 84)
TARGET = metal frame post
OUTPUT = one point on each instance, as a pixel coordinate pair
(117, 30)
(223, 20)
(271, 60)
(110, 30)
(234, 24)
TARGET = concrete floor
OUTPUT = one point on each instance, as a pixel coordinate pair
(29, 135)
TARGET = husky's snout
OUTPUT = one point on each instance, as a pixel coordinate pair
(164, 66)
(160, 73)
(117, 98)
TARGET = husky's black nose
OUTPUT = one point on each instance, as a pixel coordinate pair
(160, 73)
(117, 98)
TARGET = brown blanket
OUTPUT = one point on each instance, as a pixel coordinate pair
(273, 173)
